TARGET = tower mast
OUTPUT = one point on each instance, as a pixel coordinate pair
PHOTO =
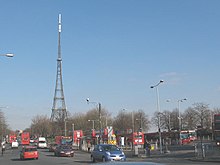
(59, 112)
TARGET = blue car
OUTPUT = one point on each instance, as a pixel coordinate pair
(107, 152)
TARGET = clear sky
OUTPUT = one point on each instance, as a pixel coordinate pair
(112, 51)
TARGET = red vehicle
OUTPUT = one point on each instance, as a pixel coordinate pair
(12, 138)
(187, 136)
(25, 138)
(29, 152)
(138, 138)
(135, 138)
(62, 140)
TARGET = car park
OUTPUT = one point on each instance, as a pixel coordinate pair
(29, 152)
(64, 150)
(107, 152)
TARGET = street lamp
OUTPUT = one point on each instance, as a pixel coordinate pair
(93, 123)
(140, 123)
(158, 109)
(73, 133)
(7, 55)
(100, 122)
(179, 117)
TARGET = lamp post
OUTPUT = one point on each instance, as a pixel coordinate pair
(73, 133)
(179, 117)
(93, 123)
(158, 109)
(7, 55)
(140, 123)
(65, 127)
(100, 122)
(132, 121)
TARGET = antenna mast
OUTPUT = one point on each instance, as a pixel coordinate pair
(59, 112)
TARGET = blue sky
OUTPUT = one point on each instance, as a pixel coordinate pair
(112, 51)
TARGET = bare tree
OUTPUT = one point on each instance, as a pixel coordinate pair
(189, 118)
(41, 126)
(203, 115)
(126, 121)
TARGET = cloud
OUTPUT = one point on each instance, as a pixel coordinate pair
(169, 74)
(173, 78)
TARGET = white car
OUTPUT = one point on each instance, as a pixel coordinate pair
(14, 144)
(42, 143)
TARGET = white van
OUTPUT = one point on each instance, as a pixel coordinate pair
(42, 143)
(14, 144)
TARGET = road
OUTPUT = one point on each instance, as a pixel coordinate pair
(11, 156)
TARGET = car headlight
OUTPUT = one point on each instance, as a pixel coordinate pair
(123, 153)
(62, 152)
(71, 152)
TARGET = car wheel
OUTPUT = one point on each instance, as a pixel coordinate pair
(93, 159)
(103, 159)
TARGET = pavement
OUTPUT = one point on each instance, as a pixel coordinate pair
(180, 154)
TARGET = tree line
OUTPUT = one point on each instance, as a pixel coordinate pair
(197, 115)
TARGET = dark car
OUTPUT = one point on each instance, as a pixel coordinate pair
(64, 150)
(107, 152)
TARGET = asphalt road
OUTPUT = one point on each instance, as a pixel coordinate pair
(11, 157)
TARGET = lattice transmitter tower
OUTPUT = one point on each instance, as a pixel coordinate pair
(59, 112)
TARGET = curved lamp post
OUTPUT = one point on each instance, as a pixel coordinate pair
(99, 109)
(158, 110)
(179, 117)
(7, 55)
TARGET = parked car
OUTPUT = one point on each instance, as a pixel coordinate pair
(29, 152)
(107, 152)
(52, 147)
(64, 150)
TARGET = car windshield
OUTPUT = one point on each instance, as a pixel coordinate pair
(111, 148)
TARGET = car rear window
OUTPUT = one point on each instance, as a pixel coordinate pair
(30, 149)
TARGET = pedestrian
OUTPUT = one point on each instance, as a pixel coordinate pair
(3, 149)
(148, 148)
(89, 146)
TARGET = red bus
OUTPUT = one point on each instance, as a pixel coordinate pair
(187, 136)
(12, 138)
(25, 138)
(138, 138)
